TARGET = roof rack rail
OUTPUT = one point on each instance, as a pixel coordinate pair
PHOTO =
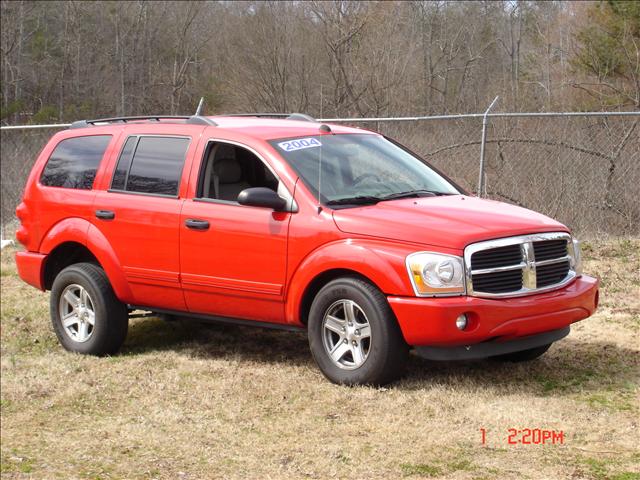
(265, 115)
(200, 120)
(190, 119)
(301, 116)
(286, 116)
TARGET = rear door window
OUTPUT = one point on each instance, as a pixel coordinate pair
(151, 165)
(74, 162)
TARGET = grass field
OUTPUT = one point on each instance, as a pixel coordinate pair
(188, 401)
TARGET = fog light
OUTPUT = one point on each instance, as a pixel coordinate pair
(461, 322)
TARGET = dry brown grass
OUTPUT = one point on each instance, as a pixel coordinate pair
(188, 401)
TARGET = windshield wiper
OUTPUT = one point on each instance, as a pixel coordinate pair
(359, 200)
(370, 200)
(413, 194)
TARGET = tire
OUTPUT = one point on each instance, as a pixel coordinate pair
(87, 284)
(523, 355)
(377, 359)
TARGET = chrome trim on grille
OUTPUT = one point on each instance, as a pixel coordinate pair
(517, 266)
(566, 258)
(528, 264)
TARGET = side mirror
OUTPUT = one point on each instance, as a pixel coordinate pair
(262, 197)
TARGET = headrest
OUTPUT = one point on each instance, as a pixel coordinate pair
(225, 150)
(227, 170)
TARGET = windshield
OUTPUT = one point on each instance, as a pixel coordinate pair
(360, 169)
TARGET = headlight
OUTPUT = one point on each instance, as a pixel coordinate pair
(436, 274)
(576, 256)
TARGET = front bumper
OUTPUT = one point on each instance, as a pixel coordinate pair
(492, 348)
(432, 321)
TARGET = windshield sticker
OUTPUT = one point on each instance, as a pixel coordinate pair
(299, 144)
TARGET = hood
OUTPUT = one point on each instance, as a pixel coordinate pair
(452, 221)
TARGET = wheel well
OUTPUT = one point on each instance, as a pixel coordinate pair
(62, 256)
(320, 281)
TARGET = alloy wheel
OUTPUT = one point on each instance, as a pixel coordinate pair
(77, 313)
(346, 334)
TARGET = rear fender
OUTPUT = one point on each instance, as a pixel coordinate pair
(100, 247)
(68, 230)
(83, 232)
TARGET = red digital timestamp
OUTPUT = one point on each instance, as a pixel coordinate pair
(529, 436)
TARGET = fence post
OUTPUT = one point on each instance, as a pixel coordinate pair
(3, 242)
(482, 144)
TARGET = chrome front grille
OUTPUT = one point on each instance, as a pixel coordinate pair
(549, 249)
(516, 266)
(551, 274)
(498, 282)
(496, 257)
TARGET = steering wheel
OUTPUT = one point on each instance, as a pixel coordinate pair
(364, 176)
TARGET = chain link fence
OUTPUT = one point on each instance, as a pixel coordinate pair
(18, 152)
(581, 169)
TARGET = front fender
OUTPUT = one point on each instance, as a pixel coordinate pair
(383, 263)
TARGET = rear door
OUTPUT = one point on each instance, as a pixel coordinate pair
(140, 213)
(233, 257)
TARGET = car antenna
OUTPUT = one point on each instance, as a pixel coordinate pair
(326, 129)
(200, 107)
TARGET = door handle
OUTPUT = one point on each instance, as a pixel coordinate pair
(105, 214)
(196, 224)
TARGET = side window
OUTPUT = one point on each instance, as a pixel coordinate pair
(74, 162)
(228, 169)
(151, 165)
(122, 170)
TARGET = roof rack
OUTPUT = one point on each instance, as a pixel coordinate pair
(286, 116)
(190, 119)
(200, 120)
(301, 116)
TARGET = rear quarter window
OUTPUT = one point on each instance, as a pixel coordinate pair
(74, 162)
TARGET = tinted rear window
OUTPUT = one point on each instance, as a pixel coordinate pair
(154, 168)
(74, 162)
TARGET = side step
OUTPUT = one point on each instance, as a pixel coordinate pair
(215, 319)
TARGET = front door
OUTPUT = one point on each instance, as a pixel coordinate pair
(233, 257)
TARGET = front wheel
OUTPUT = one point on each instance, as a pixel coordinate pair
(85, 313)
(353, 334)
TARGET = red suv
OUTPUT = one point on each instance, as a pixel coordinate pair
(293, 224)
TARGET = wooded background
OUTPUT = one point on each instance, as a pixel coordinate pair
(63, 61)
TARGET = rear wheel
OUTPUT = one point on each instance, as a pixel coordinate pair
(85, 313)
(354, 336)
(523, 356)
